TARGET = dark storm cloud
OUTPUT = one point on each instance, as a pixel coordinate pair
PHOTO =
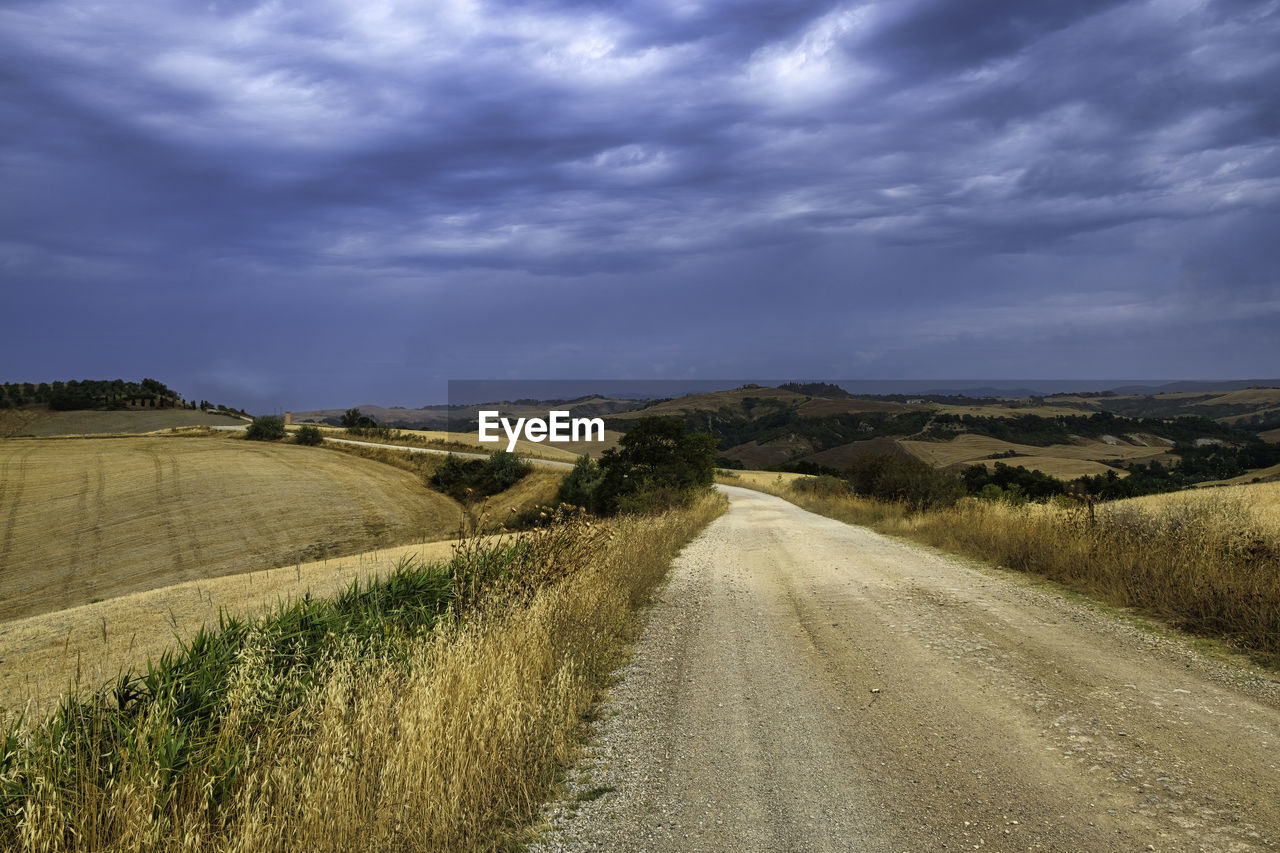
(396, 156)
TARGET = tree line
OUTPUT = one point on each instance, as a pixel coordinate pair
(76, 394)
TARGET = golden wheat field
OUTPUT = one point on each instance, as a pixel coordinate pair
(89, 519)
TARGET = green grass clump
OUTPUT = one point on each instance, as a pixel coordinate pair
(191, 705)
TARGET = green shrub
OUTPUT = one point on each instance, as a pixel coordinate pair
(903, 479)
(822, 486)
(579, 486)
(471, 479)
(265, 428)
(309, 435)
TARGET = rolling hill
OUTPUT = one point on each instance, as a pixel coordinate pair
(1067, 435)
(89, 519)
(40, 421)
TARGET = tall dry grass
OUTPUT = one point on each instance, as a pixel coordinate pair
(444, 739)
(1211, 567)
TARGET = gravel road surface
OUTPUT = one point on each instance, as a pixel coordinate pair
(804, 684)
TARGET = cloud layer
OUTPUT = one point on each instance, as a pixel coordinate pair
(891, 184)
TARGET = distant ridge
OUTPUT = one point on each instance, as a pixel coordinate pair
(1183, 386)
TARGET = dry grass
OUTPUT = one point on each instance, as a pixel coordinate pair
(443, 741)
(89, 519)
(1211, 567)
(1258, 503)
(760, 480)
(465, 442)
(47, 655)
(537, 488)
(594, 449)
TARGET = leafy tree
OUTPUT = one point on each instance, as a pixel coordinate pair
(156, 388)
(354, 420)
(266, 428)
(70, 399)
(657, 462)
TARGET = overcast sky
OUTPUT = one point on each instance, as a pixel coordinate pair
(314, 204)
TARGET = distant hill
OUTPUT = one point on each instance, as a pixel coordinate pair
(1254, 407)
(800, 425)
(39, 421)
(463, 418)
(1197, 385)
(1067, 436)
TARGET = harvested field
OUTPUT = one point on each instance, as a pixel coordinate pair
(88, 519)
(85, 646)
(842, 457)
(38, 422)
(753, 454)
(822, 407)
(1256, 396)
(969, 448)
(1054, 466)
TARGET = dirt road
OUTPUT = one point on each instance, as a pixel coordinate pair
(808, 685)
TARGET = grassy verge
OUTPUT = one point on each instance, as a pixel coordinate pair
(487, 515)
(453, 442)
(428, 710)
(422, 464)
(1210, 568)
